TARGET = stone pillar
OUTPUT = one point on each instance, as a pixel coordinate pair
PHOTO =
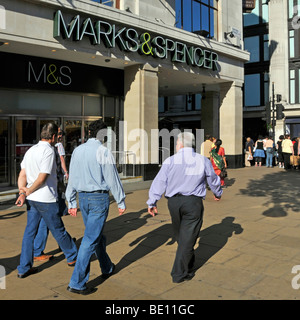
(231, 123)
(141, 115)
(210, 114)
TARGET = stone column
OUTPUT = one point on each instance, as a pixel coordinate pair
(231, 123)
(141, 115)
(210, 114)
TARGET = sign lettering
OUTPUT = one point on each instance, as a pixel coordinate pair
(50, 74)
(128, 39)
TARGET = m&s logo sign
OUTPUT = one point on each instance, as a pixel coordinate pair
(50, 74)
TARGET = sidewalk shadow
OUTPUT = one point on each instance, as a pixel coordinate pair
(146, 244)
(280, 189)
(213, 239)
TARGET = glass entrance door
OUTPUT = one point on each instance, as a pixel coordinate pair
(4, 153)
(26, 137)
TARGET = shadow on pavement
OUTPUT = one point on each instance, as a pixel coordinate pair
(212, 240)
(280, 191)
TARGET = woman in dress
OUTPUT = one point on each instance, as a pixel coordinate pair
(259, 153)
(218, 160)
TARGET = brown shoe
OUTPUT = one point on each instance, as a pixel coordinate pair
(43, 257)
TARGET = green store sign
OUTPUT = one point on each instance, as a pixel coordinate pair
(129, 40)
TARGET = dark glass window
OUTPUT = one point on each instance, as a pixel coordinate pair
(109, 3)
(198, 16)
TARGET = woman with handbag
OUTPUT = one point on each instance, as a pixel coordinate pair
(218, 161)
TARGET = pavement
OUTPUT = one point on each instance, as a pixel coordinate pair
(249, 247)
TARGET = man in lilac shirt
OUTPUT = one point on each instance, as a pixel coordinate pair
(182, 178)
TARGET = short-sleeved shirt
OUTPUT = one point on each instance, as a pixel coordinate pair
(60, 149)
(40, 158)
(286, 146)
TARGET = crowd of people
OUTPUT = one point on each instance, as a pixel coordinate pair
(285, 153)
(183, 178)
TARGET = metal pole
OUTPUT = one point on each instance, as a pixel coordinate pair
(273, 110)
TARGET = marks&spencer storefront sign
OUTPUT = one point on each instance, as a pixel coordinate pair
(128, 39)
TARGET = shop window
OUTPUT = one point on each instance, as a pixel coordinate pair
(292, 43)
(293, 8)
(252, 45)
(92, 106)
(252, 90)
(197, 16)
(266, 47)
(39, 103)
(292, 86)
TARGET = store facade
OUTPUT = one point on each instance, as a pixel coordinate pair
(73, 62)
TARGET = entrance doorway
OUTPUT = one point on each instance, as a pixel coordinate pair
(4, 152)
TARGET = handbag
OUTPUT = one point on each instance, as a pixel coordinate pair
(294, 160)
(223, 173)
(250, 157)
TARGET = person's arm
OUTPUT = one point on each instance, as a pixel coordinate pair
(22, 181)
(213, 180)
(40, 180)
(158, 188)
(71, 192)
(64, 167)
(111, 177)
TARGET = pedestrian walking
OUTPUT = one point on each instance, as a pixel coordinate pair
(287, 151)
(92, 173)
(259, 152)
(269, 145)
(41, 237)
(279, 152)
(249, 152)
(37, 183)
(206, 146)
(182, 178)
(218, 161)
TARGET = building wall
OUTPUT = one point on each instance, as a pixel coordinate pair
(29, 30)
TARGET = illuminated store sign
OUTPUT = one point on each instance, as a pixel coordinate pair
(128, 39)
(51, 74)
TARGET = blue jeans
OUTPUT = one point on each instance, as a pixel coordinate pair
(94, 209)
(49, 212)
(269, 161)
(41, 237)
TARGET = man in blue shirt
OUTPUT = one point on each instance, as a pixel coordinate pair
(182, 178)
(92, 174)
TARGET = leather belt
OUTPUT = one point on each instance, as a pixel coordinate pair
(96, 191)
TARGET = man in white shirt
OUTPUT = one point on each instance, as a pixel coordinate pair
(37, 183)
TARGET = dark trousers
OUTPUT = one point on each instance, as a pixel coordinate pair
(286, 160)
(187, 216)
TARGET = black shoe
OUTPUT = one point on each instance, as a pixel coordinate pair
(84, 292)
(28, 273)
(186, 278)
(107, 275)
